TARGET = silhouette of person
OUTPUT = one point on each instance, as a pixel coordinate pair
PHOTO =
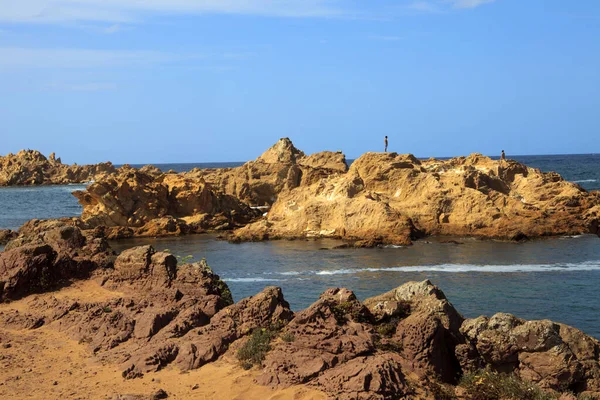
(385, 141)
(502, 156)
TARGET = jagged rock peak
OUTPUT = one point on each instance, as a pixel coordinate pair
(281, 152)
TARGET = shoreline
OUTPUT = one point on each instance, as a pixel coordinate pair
(142, 312)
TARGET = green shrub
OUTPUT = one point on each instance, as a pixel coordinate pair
(182, 260)
(442, 391)
(288, 337)
(387, 329)
(489, 385)
(254, 351)
(388, 345)
(348, 308)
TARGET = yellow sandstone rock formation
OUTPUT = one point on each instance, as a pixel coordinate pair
(387, 198)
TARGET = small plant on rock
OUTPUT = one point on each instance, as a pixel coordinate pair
(490, 385)
(442, 391)
(288, 337)
(183, 260)
(254, 351)
(387, 329)
(347, 308)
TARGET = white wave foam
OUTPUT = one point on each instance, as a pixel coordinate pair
(246, 280)
(584, 266)
(586, 181)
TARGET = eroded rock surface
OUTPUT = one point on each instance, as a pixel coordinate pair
(40, 261)
(553, 355)
(30, 167)
(136, 203)
(6, 235)
(282, 167)
(143, 312)
(387, 198)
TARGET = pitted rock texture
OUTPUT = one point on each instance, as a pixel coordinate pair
(136, 203)
(30, 167)
(282, 167)
(6, 235)
(143, 312)
(40, 261)
(387, 198)
(551, 354)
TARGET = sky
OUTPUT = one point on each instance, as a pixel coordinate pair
(160, 81)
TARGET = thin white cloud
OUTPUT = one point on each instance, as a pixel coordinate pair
(441, 6)
(120, 11)
(470, 3)
(424, 7)
(113, 29)
(17, 57)
(83, 87)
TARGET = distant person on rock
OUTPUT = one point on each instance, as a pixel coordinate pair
(502, 157)
(386, 144)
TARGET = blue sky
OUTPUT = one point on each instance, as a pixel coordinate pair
(221, 80)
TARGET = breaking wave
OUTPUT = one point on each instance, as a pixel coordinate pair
(248, 280)
(583, 266)
(586, 181)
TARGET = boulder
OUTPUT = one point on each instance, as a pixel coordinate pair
(40, 261)
(427, 327)
(328, 333)
(552, 355)
(27, 269)
(6, 235)
(206, 343)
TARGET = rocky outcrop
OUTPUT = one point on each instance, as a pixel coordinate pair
(552, 355)
(386, 198)
(368, 351)
(44, 260)
(136, 203)
(144, 312)
(6, 235)
(30, 167)
(147, 202)
(282, 167)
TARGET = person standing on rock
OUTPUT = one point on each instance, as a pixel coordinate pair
(386, 144)
(502, 157)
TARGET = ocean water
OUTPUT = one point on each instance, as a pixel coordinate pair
(19, 204)
(553, 278)
(583, 169)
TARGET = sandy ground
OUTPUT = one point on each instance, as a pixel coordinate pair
(46, 364)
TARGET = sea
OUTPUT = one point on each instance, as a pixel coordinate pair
(554, 279)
